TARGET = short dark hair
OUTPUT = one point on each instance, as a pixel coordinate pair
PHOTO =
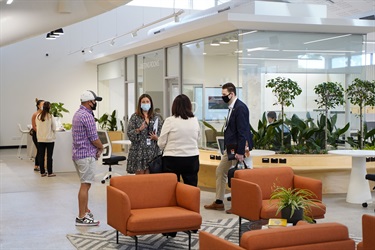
(139, 110)
(37, 103)
(182, 107)
(272, 114)
(230, 87)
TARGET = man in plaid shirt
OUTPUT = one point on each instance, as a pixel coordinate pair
(87, 148)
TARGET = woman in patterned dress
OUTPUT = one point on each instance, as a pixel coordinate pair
(143, 132)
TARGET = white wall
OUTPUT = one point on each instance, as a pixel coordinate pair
(27, 73)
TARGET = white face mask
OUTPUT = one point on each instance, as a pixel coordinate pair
(145, 106)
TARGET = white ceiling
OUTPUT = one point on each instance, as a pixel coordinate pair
(28, 18)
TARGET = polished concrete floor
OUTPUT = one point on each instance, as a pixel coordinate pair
(38, 213)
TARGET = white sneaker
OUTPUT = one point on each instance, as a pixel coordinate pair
(86, 221)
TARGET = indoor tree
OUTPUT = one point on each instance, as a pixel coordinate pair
(285, 91)
(361, 93)
(330, 95)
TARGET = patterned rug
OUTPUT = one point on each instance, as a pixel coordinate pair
(224, 228)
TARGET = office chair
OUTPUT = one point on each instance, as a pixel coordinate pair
(24, 132)
(370, 177)
(108, 158)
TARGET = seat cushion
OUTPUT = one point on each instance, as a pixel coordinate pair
(162, 219)
(113, 160)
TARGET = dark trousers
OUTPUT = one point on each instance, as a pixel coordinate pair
(35, 140)
(42, 148)
(185, 167)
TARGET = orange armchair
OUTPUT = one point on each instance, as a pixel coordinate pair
(368, 233)
(251, 191)
(325, 236)
(151, 204)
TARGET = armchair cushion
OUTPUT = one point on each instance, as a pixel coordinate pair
(368, 229)
(149, 204)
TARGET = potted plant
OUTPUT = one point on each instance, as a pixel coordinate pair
(294, 203)
(57, 110)
(330, 95)
(285, 91)
(361, 93)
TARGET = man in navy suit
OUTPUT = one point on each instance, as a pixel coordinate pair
(236, 132)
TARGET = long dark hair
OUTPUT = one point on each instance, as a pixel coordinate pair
(45, 112)
(37, 103)
(139, 109)
(182, 107)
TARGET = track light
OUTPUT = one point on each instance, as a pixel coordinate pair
(225, 40)
(134, 34)
(112, 42)
(215, 42)
(233, 39)
(50, 37)
(91, 50)
(59, 32)
(176, 18)
(83, 52)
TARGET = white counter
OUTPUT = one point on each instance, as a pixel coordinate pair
(62, 153)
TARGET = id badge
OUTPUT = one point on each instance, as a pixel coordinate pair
(148, 141)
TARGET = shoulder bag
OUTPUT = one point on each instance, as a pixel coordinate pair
(234, 169)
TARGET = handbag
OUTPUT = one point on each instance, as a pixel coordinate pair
(234, 169)
(155, 166)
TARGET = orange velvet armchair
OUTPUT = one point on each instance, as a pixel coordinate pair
(251, 191)
(152, 204)
(325, 236)
(368, 233)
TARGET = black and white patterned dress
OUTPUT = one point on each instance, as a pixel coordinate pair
(140, 153)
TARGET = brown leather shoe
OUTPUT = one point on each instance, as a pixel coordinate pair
(229, 211)
(215, 206)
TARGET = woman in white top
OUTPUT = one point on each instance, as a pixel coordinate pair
(46, 128)
(179, 141)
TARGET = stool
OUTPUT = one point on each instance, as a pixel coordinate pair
(24, 133)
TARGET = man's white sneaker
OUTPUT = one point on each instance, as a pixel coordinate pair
(86, 221)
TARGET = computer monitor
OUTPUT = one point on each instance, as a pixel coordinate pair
(220, 144)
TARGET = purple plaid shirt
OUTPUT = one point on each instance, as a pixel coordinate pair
(84, 132)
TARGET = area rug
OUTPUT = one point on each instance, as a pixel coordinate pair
(224, 228)
(106, 240)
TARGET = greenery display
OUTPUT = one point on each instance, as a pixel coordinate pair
(108, 122)
(361, 93)
(285, 91)
(307, 137)
(295, 199)
(57, 109)
(330, 95)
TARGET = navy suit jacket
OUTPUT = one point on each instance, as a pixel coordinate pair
(238, 128)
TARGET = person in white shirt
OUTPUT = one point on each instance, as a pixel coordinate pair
(46, 128)
(179, 141)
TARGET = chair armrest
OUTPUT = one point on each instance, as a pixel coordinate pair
(246, 199)
(309, 183)
(118, 209)
(188, 197)
(209, 241)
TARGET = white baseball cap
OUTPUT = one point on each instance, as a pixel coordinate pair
(89, 95)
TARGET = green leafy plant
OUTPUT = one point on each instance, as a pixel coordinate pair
(285, 91)
(330, 95)
(217, 133)
(57, 109)
(296, 199)
(361, 93)
(108, 122)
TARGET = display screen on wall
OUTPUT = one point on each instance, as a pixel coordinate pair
(215, 107)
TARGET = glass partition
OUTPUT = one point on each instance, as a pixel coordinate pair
(250, 58)
(151, 76)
